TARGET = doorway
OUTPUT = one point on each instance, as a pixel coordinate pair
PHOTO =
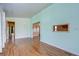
(10, 31)
(36, 35)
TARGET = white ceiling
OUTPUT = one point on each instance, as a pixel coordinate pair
(23, 9)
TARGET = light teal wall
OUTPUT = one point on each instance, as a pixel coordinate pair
(60, 14)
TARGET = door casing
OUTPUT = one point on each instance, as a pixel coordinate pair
(9, 24)
(36, 35)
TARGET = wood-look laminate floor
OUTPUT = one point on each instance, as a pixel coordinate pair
(24, 47)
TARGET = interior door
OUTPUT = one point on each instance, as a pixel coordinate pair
(36, 35)
(11, 31)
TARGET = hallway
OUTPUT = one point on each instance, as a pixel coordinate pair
(55, 25)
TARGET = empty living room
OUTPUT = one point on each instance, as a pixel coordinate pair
(39, 29)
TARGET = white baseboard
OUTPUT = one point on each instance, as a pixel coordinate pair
(22, 37)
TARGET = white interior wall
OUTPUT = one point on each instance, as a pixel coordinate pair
(0, 35)
(2, 29)
(22, 27)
